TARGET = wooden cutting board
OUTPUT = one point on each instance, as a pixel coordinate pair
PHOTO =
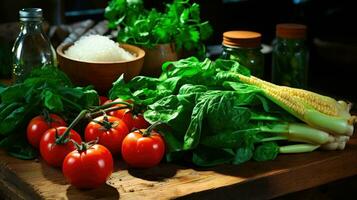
(253, 180)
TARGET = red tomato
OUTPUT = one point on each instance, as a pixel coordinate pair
(139, 122)
(110, 132)
(125, 115)
(143, 151)
(102, 100)
(39, 125)
(89, 168)
(54, 153)
(131, 120)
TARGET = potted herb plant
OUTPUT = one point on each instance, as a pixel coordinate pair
(166, 35)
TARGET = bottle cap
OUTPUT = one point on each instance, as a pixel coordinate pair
(247, 39)
(291, 31)
(30, 14)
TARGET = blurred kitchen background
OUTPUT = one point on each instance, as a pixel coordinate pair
(332, 36)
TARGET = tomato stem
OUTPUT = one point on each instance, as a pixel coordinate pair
(109, 105)
(88, 114)
(78, 146)
(96, 113)
(148, 131)
(105, 123)
(64, 137)
(46, 116)
(84, 145)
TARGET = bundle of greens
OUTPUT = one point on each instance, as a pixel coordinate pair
(45, 88)
(180, 24)
(216, 112)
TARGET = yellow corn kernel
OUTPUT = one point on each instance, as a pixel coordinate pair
(320, 103)
(296, 99)
(287, 101)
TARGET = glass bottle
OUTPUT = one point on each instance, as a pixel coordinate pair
(245, 48)
(32, 48)
(290, 56)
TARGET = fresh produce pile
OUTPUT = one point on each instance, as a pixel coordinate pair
(207, 113)
(216, 113)
(34, 116)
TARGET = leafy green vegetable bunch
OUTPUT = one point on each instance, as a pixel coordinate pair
(216, 112)
(202, 109)
(180, 24)
(45, 88)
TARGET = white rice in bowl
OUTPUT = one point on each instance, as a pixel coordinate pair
(97, 48)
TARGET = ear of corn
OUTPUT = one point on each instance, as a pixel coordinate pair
(316, 110)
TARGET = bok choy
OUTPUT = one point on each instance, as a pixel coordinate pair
(216, 112)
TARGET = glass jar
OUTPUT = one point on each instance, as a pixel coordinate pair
(245, 48)
(32, 48)
(290, 56)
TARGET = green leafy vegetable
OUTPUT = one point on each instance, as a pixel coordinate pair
(243, 154)
(180, 24)
(266, 151)
(45, 88)
(217, 117)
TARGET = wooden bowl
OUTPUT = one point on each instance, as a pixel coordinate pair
(100, 74)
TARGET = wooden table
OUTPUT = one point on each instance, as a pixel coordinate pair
(253, 180)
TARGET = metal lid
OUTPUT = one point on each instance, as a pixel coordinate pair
(247, 39)
(30, 14)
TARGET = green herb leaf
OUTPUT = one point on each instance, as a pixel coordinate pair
(52, 101)
(179, 24)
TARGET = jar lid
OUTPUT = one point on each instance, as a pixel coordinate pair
(248, 39)
(27, 14)
(291, 31)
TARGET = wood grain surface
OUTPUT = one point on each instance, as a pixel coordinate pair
(253, 180)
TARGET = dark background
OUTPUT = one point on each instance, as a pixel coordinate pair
(332, 40)
(332, 36)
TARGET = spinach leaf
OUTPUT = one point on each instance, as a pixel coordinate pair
(230, 65)
(13, 93)
(10, 122)
(174, 145)
(232, 139)
(120, 89)
(193, 132)
(225, 112)
(266, 151)
(243, 154)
